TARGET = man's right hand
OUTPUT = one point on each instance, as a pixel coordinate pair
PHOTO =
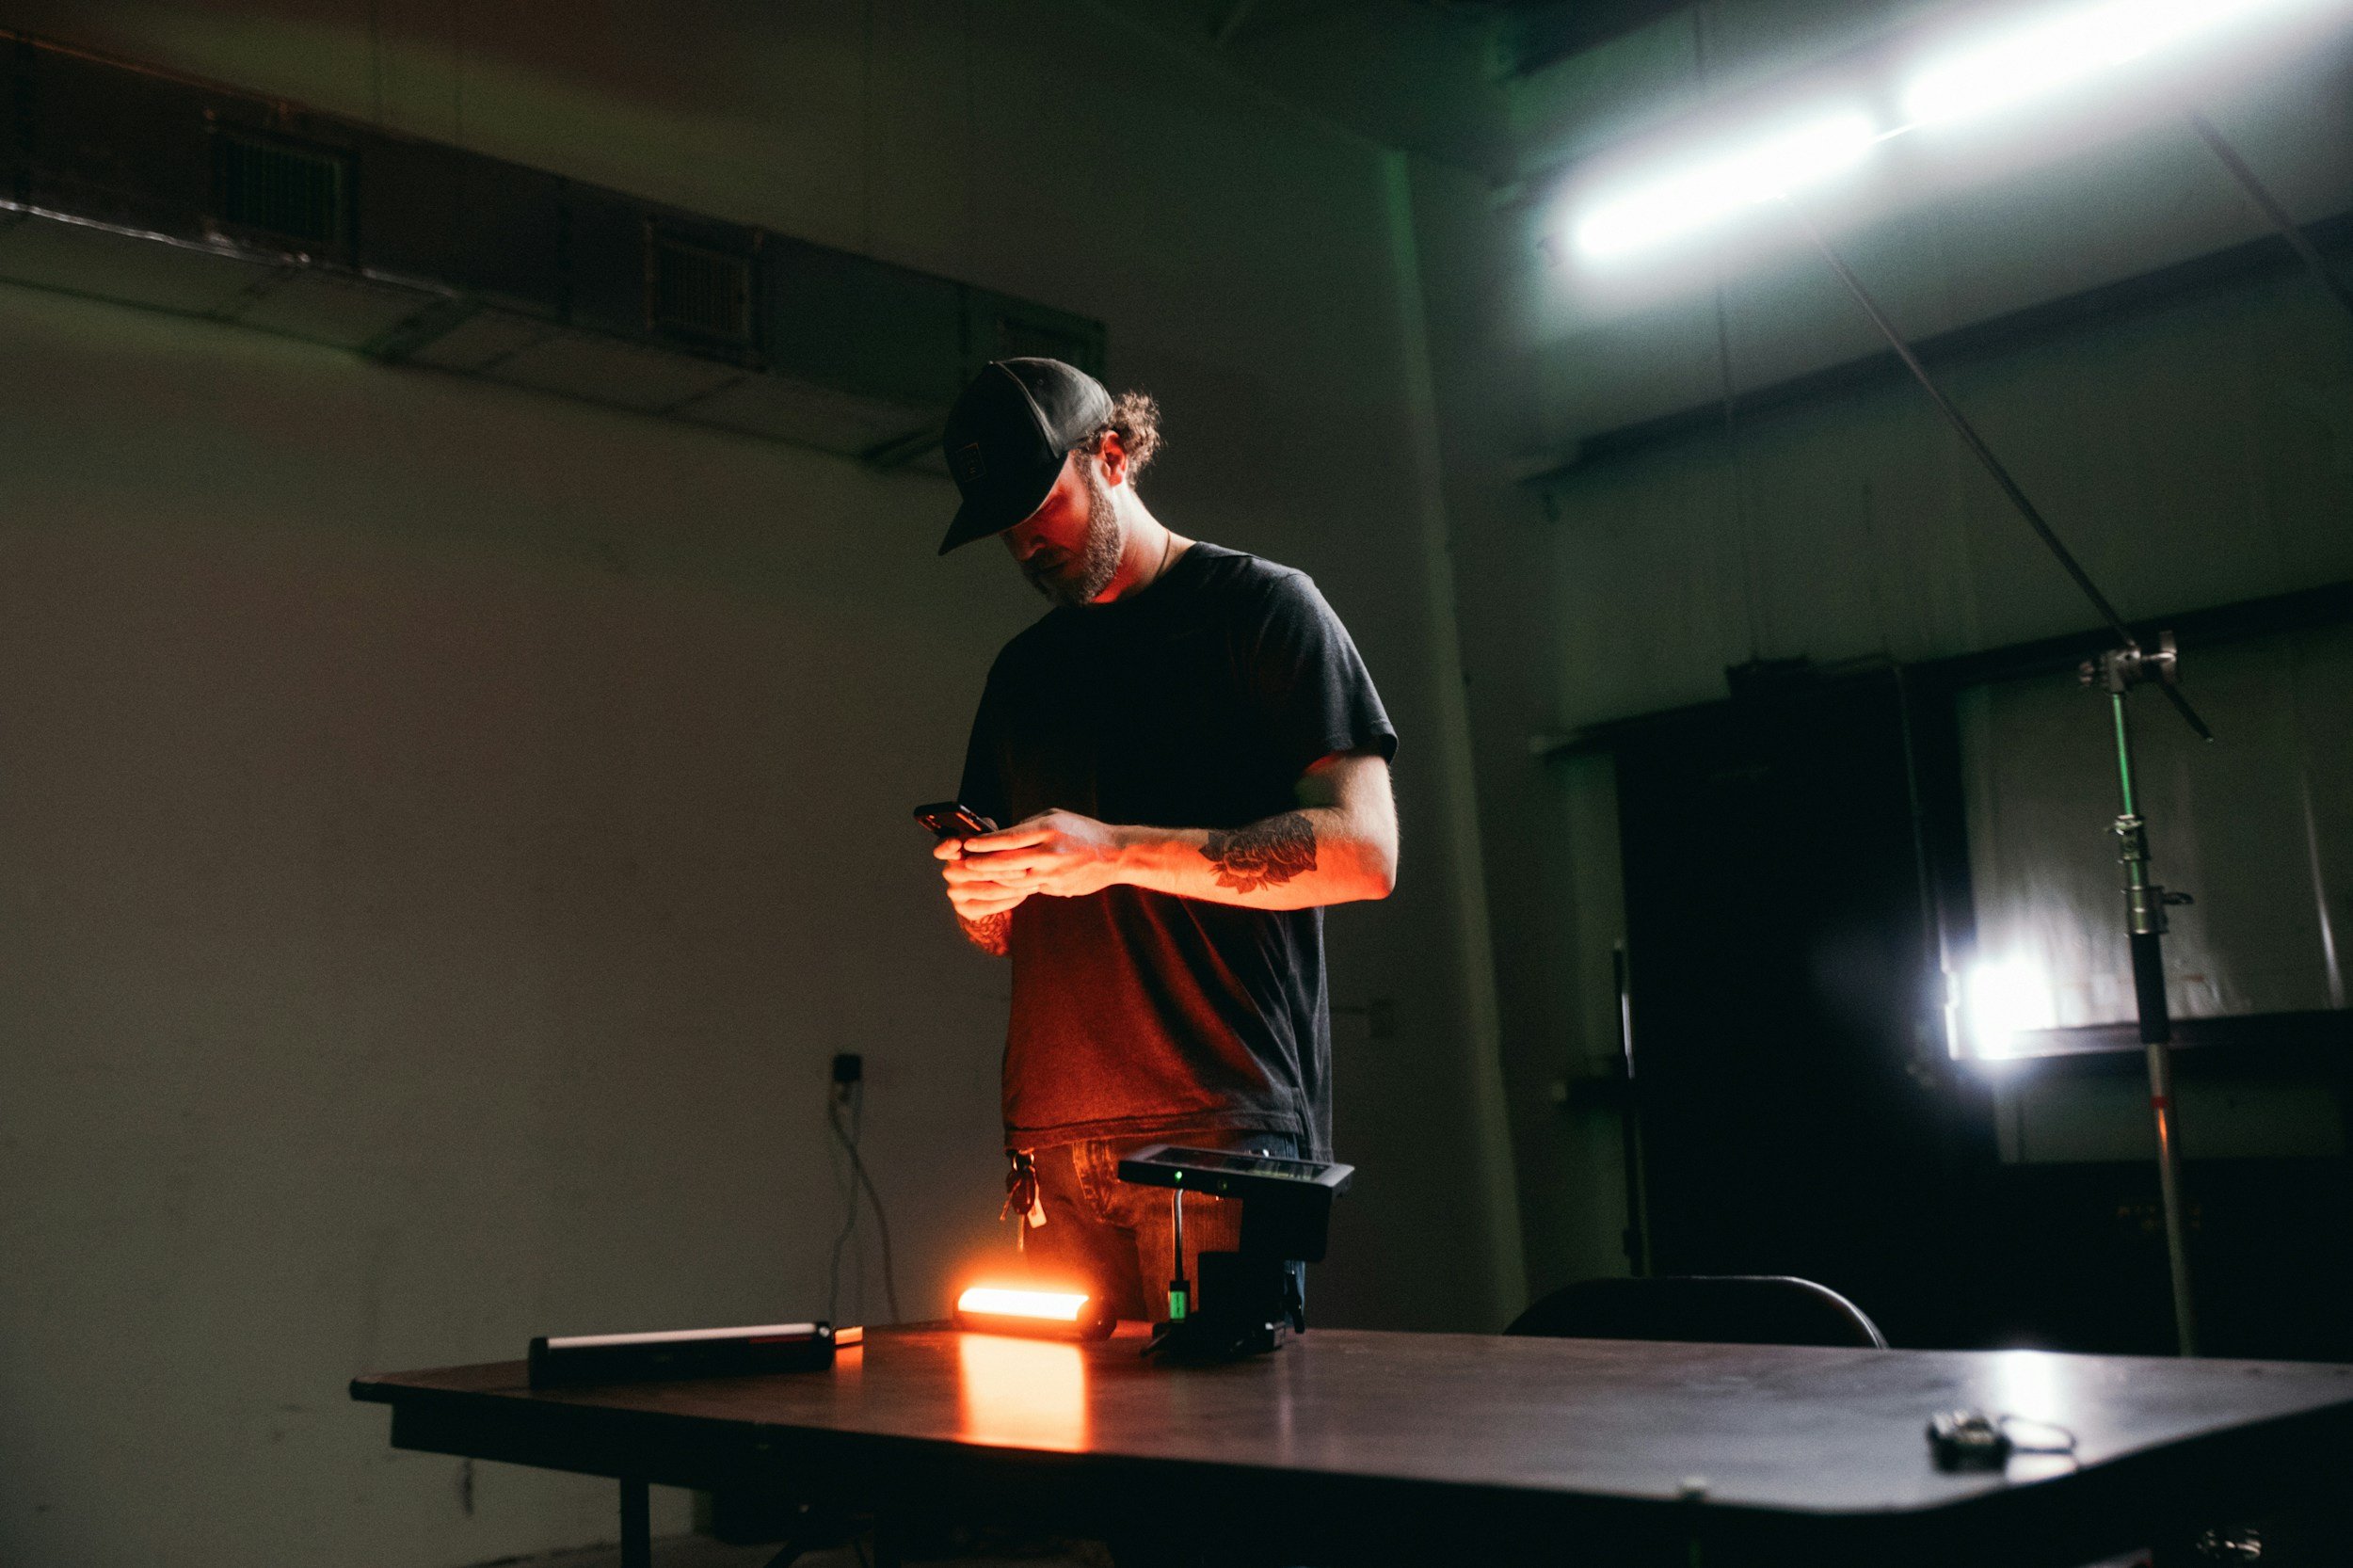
(976, 896)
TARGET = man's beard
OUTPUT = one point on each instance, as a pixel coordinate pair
(1079, 580)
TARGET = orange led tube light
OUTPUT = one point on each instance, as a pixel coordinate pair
(1039, 1314)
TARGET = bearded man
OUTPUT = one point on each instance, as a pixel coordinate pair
(1193, 762)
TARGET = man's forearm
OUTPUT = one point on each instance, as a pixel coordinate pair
(1294, 860)
(990, 933)
(1338, 845)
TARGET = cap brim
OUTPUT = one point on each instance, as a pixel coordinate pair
(983, 515)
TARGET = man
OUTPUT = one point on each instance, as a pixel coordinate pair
(1192, 761)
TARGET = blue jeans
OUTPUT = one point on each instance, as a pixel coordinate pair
(1119, 1236)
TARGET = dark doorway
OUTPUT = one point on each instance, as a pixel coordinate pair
(1798, 1114)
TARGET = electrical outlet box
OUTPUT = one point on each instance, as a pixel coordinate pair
(848, 1067)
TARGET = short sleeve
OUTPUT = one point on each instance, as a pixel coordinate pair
(983, 788)
(1319, 698)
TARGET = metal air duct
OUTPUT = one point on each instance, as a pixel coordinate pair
(128, 183)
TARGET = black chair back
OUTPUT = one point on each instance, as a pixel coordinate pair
(1724, 1309)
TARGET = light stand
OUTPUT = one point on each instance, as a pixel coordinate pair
(2118, 670)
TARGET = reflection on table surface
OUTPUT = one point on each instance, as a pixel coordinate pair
(1025, 1393)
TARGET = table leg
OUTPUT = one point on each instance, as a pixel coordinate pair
(636, 1524)
(889, 1539)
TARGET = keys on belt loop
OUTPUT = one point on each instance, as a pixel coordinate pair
(1021, 1197)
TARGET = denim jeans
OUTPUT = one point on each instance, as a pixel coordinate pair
(1118, 1237)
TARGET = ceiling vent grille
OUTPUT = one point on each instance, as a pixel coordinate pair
(698, 293)
(288, 193)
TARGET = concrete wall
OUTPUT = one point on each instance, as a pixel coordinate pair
(448, 830)
(2193, 453)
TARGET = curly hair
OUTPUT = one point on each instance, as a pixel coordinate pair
(1136, 421)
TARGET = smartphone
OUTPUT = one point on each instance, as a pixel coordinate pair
(952, 819)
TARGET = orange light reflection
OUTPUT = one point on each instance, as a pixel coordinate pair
(1022, 1393)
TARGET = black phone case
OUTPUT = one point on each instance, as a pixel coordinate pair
(950, 819)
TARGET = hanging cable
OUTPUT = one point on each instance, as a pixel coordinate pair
(848, 1133)
(845, 1180)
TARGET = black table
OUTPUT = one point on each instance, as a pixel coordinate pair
(1451, 1447)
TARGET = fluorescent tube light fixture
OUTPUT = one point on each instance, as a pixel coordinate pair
(2025, 63)
(2046, 55)
(1717, 188)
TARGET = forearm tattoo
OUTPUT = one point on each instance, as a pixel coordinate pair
(1263, 855)
(989, 933)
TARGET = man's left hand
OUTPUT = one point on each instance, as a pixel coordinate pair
(1060, 854)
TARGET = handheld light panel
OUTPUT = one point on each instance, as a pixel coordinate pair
(1037, 1314)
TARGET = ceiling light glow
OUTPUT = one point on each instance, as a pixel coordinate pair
(1721, 186)
(2026, 64)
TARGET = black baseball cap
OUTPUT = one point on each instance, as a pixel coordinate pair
(1007, 436)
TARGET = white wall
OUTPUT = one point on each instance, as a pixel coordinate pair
(444, 853)
(448, 830)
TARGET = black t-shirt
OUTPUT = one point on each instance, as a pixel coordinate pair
(1197, 703)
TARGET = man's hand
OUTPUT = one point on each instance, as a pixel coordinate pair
(1340, 845)
(1060, 854)
(976, 896)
